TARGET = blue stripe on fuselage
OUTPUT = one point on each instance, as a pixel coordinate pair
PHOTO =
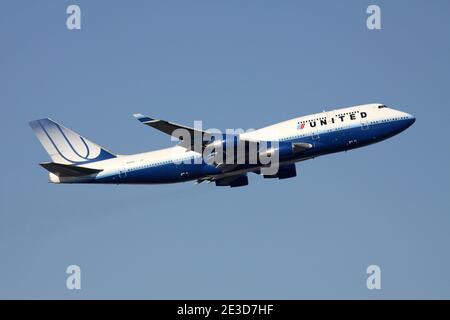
(324, 142)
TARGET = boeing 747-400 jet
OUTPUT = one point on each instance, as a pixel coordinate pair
(76, 159)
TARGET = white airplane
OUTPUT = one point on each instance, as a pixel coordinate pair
(76, 159)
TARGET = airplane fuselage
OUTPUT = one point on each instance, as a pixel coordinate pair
(327, 132)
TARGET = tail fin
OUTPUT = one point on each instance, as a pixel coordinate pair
(65, 146)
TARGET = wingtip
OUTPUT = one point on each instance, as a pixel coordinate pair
(142, 118)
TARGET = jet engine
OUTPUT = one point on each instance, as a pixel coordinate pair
(284, 172)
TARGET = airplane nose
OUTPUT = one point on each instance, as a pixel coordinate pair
(410, 119)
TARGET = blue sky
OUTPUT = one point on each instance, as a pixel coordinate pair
(231, 64)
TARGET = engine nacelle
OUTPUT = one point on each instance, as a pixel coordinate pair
(284, 172)
(284, 150)
(233, 150)
(233, 181)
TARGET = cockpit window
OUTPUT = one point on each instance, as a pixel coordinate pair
(382, 106)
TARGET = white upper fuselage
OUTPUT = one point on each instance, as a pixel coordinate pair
(338, 119)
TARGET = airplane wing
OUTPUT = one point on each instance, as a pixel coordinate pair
(177, 131)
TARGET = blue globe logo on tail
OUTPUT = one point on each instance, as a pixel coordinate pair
(66, 146)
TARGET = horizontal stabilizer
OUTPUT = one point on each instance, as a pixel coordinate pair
(67, 170)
